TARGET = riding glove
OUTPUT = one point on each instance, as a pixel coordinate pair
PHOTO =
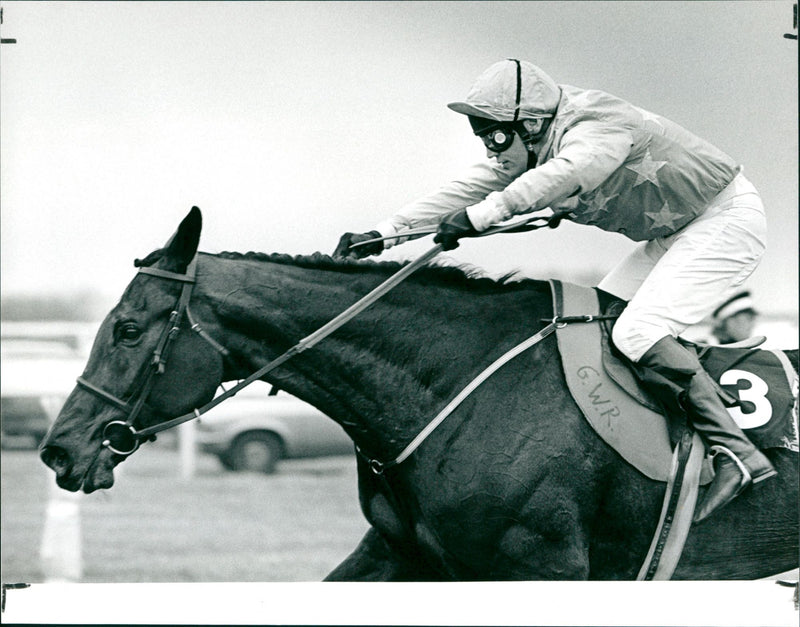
(453, 227)
(359, 252)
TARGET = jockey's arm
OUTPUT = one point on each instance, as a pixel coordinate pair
(588, 154)
(477, 183)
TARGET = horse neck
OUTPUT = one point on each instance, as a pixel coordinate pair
(383, 375)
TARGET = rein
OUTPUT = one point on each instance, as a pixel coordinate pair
(123, 438)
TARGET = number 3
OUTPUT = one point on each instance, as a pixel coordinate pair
(755, 394)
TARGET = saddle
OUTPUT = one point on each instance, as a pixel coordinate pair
(757, 386)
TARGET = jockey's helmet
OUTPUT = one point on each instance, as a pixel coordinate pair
(511, 90)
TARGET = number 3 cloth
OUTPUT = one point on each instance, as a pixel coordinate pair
(765, 383)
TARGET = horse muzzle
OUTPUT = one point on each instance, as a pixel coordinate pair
(77, 469)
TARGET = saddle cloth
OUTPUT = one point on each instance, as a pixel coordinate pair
(625, 416)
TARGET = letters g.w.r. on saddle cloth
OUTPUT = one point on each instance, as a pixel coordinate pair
(764, 382)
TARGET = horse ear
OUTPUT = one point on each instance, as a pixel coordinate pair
(182, 246)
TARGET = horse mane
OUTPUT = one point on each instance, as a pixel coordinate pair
(463, 275)
(460, 274)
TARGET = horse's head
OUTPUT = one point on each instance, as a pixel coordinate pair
(144, 368)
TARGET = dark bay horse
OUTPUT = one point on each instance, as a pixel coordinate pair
(513, 485)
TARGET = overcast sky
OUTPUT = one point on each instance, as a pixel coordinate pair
(289, 123)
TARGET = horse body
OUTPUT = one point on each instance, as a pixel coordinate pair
(513, 485)
(506, 457)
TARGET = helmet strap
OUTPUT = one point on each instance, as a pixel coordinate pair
(530, 139)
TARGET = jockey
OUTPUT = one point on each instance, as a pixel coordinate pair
(596, 159)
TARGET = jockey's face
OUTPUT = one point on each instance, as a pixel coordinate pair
(514, 158)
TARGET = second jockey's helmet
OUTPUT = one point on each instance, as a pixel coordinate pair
(511, 90)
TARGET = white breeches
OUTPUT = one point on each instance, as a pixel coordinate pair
(674, 282)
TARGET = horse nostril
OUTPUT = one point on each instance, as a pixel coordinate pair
(57, 458)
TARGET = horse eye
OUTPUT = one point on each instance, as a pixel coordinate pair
(127, 333)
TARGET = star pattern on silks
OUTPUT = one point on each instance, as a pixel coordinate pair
(597, 203)
(646, 170)
(648, 116)
(663, 218)
(574, 102)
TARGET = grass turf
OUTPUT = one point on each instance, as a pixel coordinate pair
(153, 526)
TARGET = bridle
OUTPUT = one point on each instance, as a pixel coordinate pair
(123, 438)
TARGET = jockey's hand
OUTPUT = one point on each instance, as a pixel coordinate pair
(453, 227)
(359, 252)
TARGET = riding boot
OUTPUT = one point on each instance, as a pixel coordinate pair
(737, 462)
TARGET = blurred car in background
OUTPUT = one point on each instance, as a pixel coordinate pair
(36, 378)
(258, 426)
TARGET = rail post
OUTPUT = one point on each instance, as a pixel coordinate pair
(61, 550)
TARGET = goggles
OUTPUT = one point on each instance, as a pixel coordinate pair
(498, 140)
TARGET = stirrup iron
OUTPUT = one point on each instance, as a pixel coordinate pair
(747, 478)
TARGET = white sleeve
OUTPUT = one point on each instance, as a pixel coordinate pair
(476, 183)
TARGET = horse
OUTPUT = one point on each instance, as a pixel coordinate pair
(513, 485)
